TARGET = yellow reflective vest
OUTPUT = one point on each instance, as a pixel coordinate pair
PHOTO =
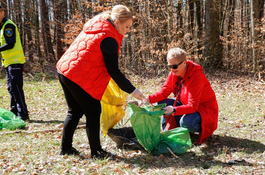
(14, 55)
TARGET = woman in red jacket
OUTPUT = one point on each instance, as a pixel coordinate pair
(194, 105)
(84, 72)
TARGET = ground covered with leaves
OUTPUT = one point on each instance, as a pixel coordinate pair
(236, 147)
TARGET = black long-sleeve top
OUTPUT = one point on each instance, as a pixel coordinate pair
(109, 48)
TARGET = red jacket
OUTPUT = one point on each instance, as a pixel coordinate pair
(83, 62)
(196, 94)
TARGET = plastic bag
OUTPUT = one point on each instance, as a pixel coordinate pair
(112, 106)
(125, 138)
(176, 140)
(146, 123)
(9, 120)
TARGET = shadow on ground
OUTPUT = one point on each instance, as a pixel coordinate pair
(216, 145)
(49, 121)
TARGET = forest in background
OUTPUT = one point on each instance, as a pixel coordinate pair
(227, 34)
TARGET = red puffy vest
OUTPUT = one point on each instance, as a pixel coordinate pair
(83, 62)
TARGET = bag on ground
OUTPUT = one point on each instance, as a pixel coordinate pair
(8, 120)
(146, 123)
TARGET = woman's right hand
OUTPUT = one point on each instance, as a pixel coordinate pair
(138, 95)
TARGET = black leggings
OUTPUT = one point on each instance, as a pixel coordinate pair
(80, 102)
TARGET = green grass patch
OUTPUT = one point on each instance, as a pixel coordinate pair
(237, 146)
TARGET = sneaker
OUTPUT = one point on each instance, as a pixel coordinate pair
(103, 154)
(71, 151)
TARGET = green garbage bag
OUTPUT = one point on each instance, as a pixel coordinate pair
(146, 123)
(9, 120)
(176, 140)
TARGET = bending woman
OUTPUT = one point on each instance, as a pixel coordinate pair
(84, 72)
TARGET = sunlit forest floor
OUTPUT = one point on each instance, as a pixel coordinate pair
(236, 147)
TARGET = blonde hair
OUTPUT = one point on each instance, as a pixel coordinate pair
(118, 12)
(176, 53)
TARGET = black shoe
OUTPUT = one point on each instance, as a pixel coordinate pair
(71, 151)
(103, 155)
(26, 119)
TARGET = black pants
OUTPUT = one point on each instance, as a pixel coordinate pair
(14, 76)
(80, 102)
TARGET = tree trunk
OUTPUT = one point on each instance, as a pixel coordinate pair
(253, 37)
(230, 29)
(46, 34)
(58, 31)
(199, 24)
(37, 28)
(179, 16)
(257, 13)
(213, 49)
(191, 9)
(16, 17)
(190, 29)
(72, 7)
(224, 12)
(28, 27)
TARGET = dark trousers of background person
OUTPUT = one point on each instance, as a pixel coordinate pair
(14, 76)
(80, 102)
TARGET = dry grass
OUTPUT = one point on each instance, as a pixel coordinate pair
(237, 146)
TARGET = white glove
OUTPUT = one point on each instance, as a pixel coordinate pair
(168, 109)
(138, 95)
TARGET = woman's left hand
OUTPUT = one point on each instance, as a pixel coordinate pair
(168, 109)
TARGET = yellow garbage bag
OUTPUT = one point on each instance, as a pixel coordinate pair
(112, 106)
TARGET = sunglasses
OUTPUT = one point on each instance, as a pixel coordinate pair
(174, 66)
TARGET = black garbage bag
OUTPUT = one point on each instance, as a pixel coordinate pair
(125, 138)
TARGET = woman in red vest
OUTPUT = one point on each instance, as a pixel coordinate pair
(194, 105)
(84, 72)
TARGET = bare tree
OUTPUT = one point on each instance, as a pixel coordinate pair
(214, 32)
(37, 28)
(29, 11)
(46, 34)
(59, 34)
(199, 27)
(213, 51)
(256, 17)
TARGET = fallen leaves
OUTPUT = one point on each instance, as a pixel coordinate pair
(34, 150)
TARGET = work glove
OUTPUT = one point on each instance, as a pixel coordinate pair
(168, 110)
(138, 95)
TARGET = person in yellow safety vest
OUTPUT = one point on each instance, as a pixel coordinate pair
(13, 60)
